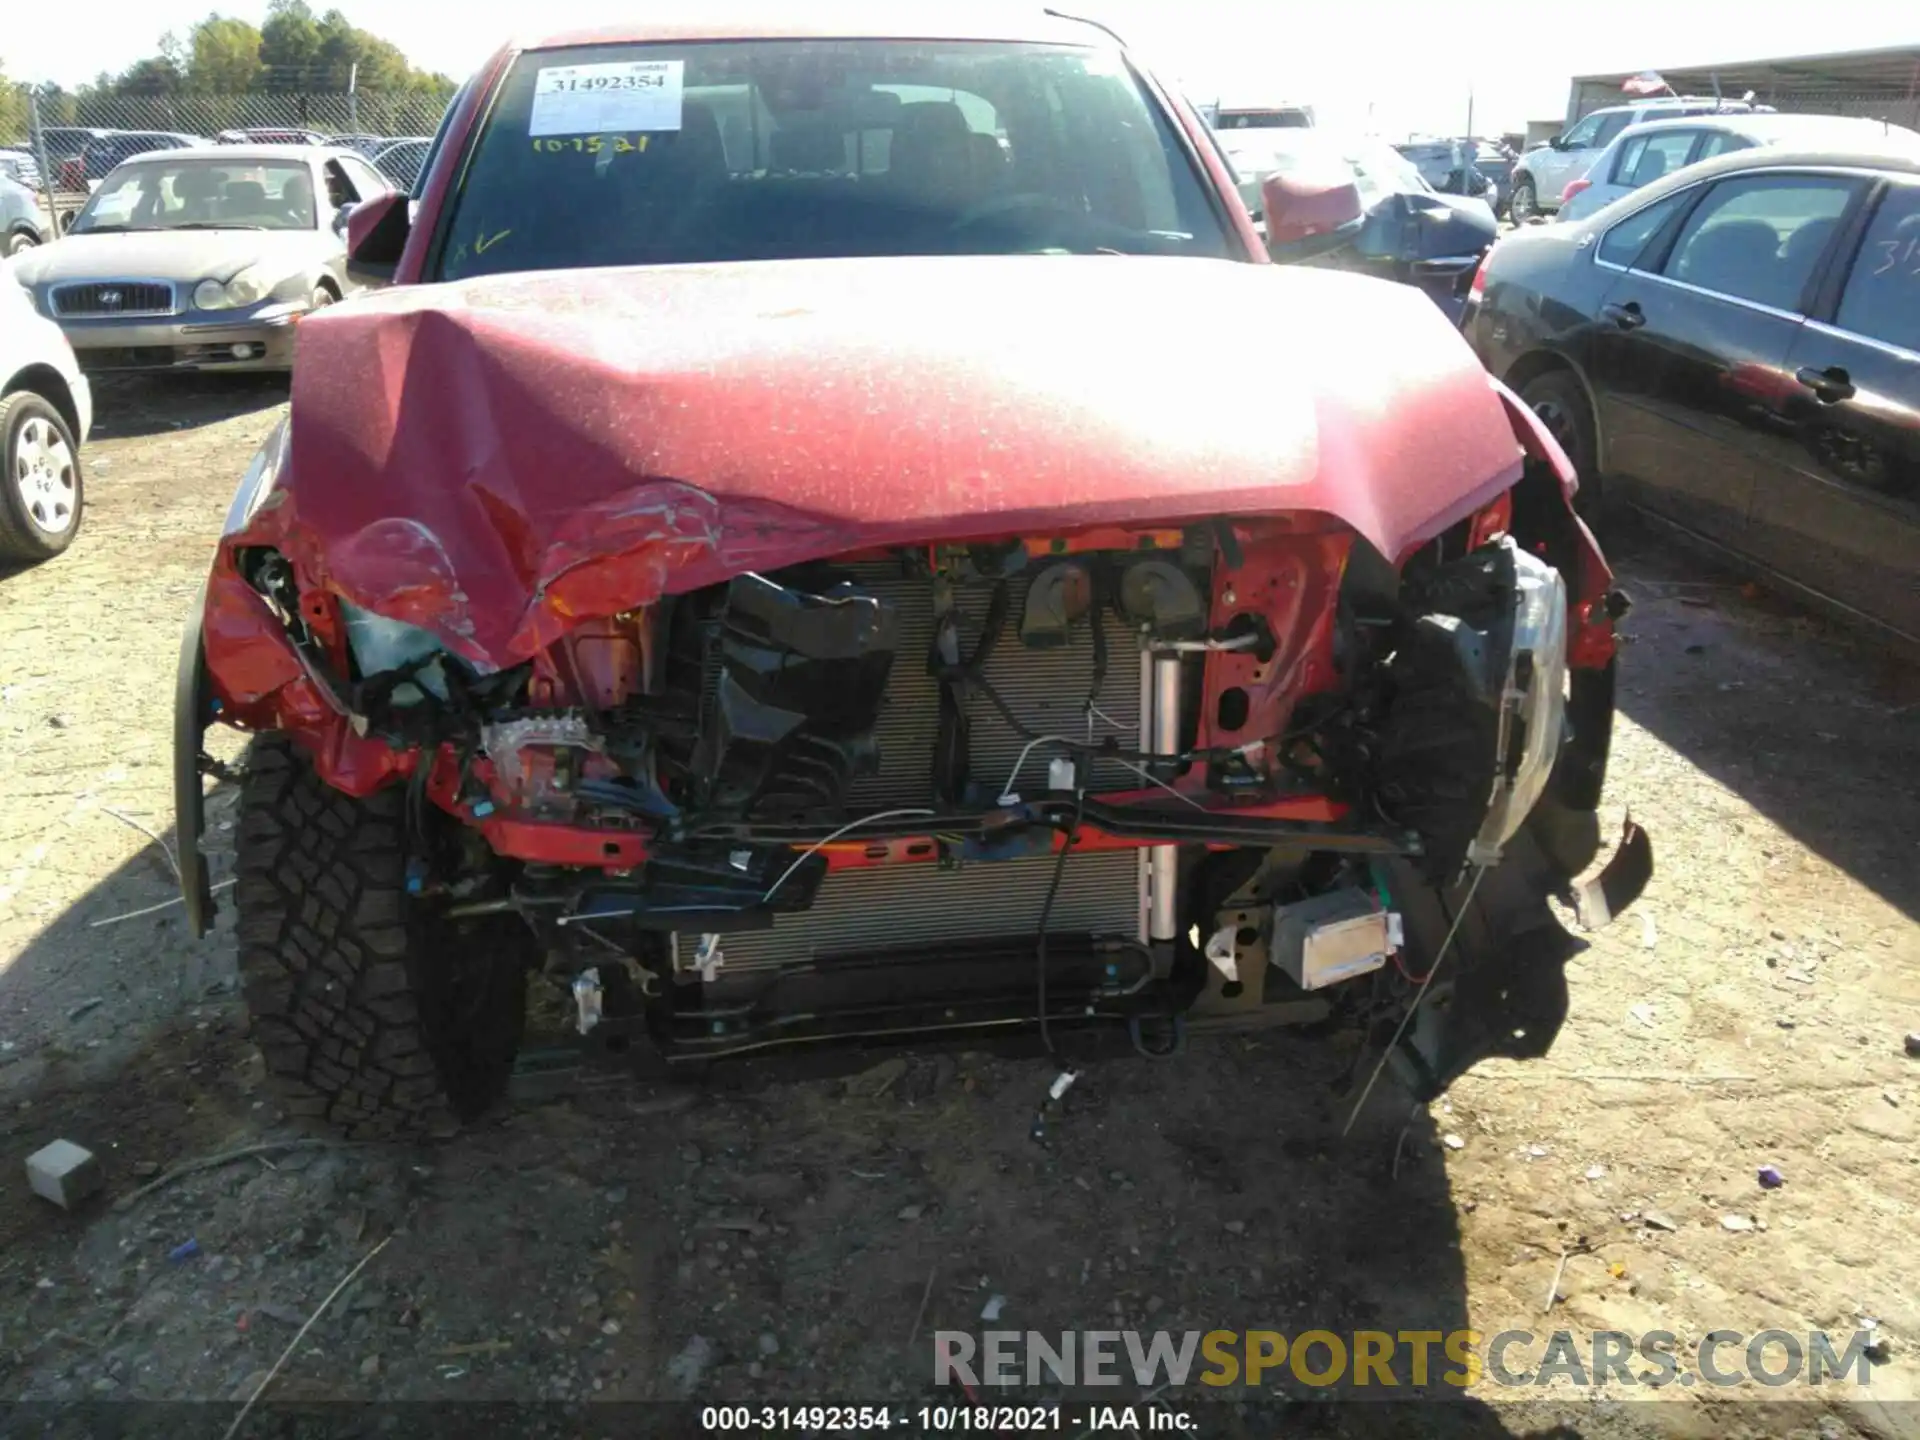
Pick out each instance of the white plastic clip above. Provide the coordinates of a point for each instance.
(588, 999)
(708, 957)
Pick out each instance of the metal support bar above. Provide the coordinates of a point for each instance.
(1163, 873)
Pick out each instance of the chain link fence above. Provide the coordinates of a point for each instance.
(74, 140)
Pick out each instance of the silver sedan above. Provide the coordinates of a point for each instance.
(202, 259)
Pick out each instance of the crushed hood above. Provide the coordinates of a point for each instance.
(498, 459)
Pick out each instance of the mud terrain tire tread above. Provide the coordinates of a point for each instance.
(339, 1012)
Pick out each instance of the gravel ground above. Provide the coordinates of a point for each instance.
(798, 1236)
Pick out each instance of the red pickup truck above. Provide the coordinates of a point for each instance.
(838, 531)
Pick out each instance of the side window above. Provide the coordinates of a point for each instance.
(340, 190)
(1882, 298)
(366, 180)
(1647, 158)
(1610, 126)
(1624, 162)
(1758, 238)
(1580, 137)
(1625, 241)
(1722, 142)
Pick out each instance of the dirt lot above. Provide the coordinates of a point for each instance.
(753, 1241)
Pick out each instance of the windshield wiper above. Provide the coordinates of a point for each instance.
(210, 225)
(99, 229)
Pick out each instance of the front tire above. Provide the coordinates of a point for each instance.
(42, 492)
(370, 1013)
(19, 243)
(1560, 402)
(1523, 205)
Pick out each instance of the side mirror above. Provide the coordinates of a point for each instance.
(341, 217)
(1300, 206)
(1558, 142)
(377, 233)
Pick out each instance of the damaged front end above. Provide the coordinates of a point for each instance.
(1227, 773)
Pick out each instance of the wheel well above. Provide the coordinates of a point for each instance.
(328, 284)
(48, 383)
(1531, 366)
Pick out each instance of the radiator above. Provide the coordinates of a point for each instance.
(915, 908)
(1047, 689)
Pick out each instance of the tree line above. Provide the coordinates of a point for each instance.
(293, 52)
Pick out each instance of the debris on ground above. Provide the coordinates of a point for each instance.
(1771, 1178)
(64, 1173)
(686, 1369)
(1736, 1223)
(1453, 1142)
(991, 1310)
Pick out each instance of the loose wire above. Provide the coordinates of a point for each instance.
(1426, 980)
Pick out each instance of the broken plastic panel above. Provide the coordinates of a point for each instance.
(379, 645)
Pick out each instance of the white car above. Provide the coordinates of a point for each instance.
(1543, 172)
(1646, 153)
(46, 410)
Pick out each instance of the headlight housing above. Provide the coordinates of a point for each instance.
(246, 288)
(1533, 703)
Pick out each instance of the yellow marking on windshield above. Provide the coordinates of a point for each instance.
(484, 243)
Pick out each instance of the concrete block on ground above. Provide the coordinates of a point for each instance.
(64, 1173)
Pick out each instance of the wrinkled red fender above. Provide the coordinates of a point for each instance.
(1591, 642)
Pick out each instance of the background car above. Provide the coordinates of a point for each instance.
(64, 143)
(1356, 203)
(401, 160)
(1543, 172)
(101, 155)
(1735, 350)
(23, 223)
(367, 145)
(1454, 167)
(204, 258)
(46, 409)
(1258, 117)
(20, 167)
(1646, 153)
(272, 135)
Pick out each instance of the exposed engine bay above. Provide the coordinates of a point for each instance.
(1155, 778)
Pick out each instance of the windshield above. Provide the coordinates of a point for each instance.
(201, 195)
(669, 154)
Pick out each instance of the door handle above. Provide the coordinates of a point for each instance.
(1830, 386)
(1624, 317)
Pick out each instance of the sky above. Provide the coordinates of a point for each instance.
(1387, 66)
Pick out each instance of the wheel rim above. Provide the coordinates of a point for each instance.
(1520, 203)
(1559, 422)
(45, 475)
(21, 244)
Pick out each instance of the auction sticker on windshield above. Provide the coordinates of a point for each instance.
(603, 99)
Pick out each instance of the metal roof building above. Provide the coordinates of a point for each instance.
(1880, 84)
